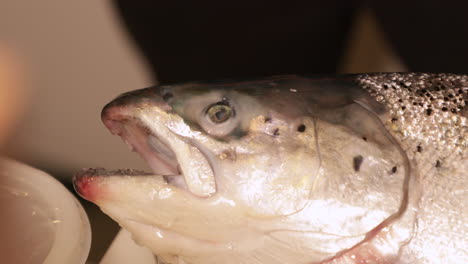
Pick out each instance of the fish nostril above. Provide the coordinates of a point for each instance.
(167, 96)
(276, 132)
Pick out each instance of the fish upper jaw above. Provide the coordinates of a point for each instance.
(148, 128)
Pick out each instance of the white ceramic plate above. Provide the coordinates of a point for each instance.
(41, 221)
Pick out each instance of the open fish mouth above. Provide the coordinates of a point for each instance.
(155, 151)
(177, 159)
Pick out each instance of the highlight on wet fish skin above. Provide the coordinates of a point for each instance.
(291, 169)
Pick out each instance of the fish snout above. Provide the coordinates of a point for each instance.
(124, 106)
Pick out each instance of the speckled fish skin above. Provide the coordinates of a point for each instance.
(366, 168)
(427, 115)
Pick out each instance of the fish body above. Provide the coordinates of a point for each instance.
(368, 168)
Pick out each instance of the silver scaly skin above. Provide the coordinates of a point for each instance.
(368, 168)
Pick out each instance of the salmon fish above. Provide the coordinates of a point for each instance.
(368, 168)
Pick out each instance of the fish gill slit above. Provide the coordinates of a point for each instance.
(319, 155)
(406, 164)
(406, 180)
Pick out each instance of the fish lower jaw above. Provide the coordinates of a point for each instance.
(171, 247)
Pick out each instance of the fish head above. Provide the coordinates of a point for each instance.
(274, 170)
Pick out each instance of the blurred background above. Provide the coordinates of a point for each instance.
(78, 55)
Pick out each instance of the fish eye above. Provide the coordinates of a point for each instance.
(220, 112)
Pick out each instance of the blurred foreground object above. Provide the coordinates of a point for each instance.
(12, 91)
(42, 222)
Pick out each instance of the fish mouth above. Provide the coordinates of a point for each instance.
(180, 161)
(155, 150)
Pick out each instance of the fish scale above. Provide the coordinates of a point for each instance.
(443, 137)
(415, 103)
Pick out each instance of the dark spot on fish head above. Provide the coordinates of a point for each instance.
(364, 138)
(276, 132)
(394, 169)
(419, 148)
(438, 164)
(357, 161)
(167, 96)
(301, 128)
(267, 119)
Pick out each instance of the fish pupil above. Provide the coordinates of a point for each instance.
(220, 113)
